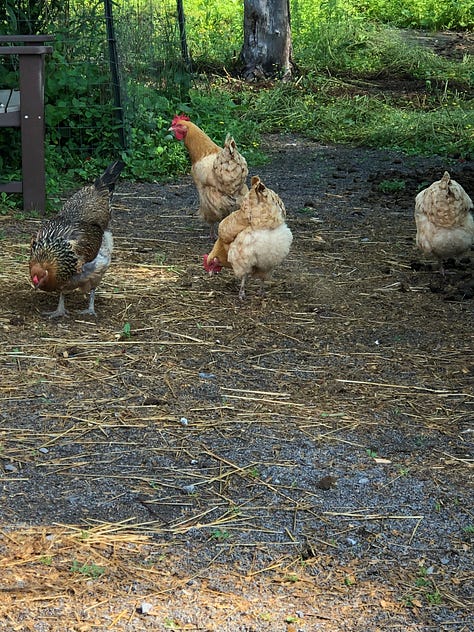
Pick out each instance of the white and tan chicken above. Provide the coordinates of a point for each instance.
(444, 223)
(254, 239)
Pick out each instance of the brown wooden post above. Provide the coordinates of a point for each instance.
(30, 119)
(32, 131)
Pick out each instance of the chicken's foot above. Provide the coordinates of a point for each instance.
(90, 310)
(60, 309)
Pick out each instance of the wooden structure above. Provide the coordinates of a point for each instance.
(24, 108)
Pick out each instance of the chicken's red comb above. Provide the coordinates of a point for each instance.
(212, 266)
(180, 117)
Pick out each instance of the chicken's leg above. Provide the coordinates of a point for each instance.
(242, 288)
(60, 309)
(90, 310)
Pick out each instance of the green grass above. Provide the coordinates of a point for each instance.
(343, 49)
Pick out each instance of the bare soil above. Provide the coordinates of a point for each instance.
(298, 461)
(295, 461)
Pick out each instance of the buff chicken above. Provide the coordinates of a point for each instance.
(219, 173)
(444, 223)
(73, 250)
(254, 239)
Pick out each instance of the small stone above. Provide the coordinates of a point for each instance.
(9, 467)
(145, 608)
(351, 541)
(189, 489)
(363, 481)
(183, 421)
(43, 450)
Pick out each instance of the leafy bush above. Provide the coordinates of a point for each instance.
(336, 50)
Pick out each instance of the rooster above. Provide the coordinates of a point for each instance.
(253, 240)
(74, 249)
(444, 223)
(219, 173)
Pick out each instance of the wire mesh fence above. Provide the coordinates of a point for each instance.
(112, 63)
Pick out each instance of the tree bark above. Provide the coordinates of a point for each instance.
(267, 50)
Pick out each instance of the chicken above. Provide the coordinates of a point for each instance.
(219, 174)
(253, 240)
(444, 223)
(74, 249)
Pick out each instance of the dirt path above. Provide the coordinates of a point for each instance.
(293, 462)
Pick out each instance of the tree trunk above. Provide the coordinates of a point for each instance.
(267, 39)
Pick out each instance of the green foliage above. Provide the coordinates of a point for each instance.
(28, 16)
(89, 570)
(221, 535)
(339, 46)
(391, 186)
(215, 31)
(427, 14)
(7, 203)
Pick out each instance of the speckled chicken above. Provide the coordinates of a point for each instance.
(74, 249)
(444, 223)
(253, 240)
(219, 173)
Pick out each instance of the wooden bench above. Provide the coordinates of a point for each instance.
(24, 108)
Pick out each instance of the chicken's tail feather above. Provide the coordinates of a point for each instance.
(108, 179)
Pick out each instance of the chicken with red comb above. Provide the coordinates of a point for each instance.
(219, 173)
(253, 240)
(74, 249)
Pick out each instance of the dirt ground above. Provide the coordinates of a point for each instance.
(297, 461)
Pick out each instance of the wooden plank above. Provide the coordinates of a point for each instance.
(25, 50)
(11, 187)
(10, 119)
(27, 39)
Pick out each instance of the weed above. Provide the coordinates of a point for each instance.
(469, 529)
(391, 186)
(126, 332)
(253, 473)
(220, 535)
(407, 601)
(89, 570)
(371, 453)
(7, 203)
(434, 598)
(421, 581)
